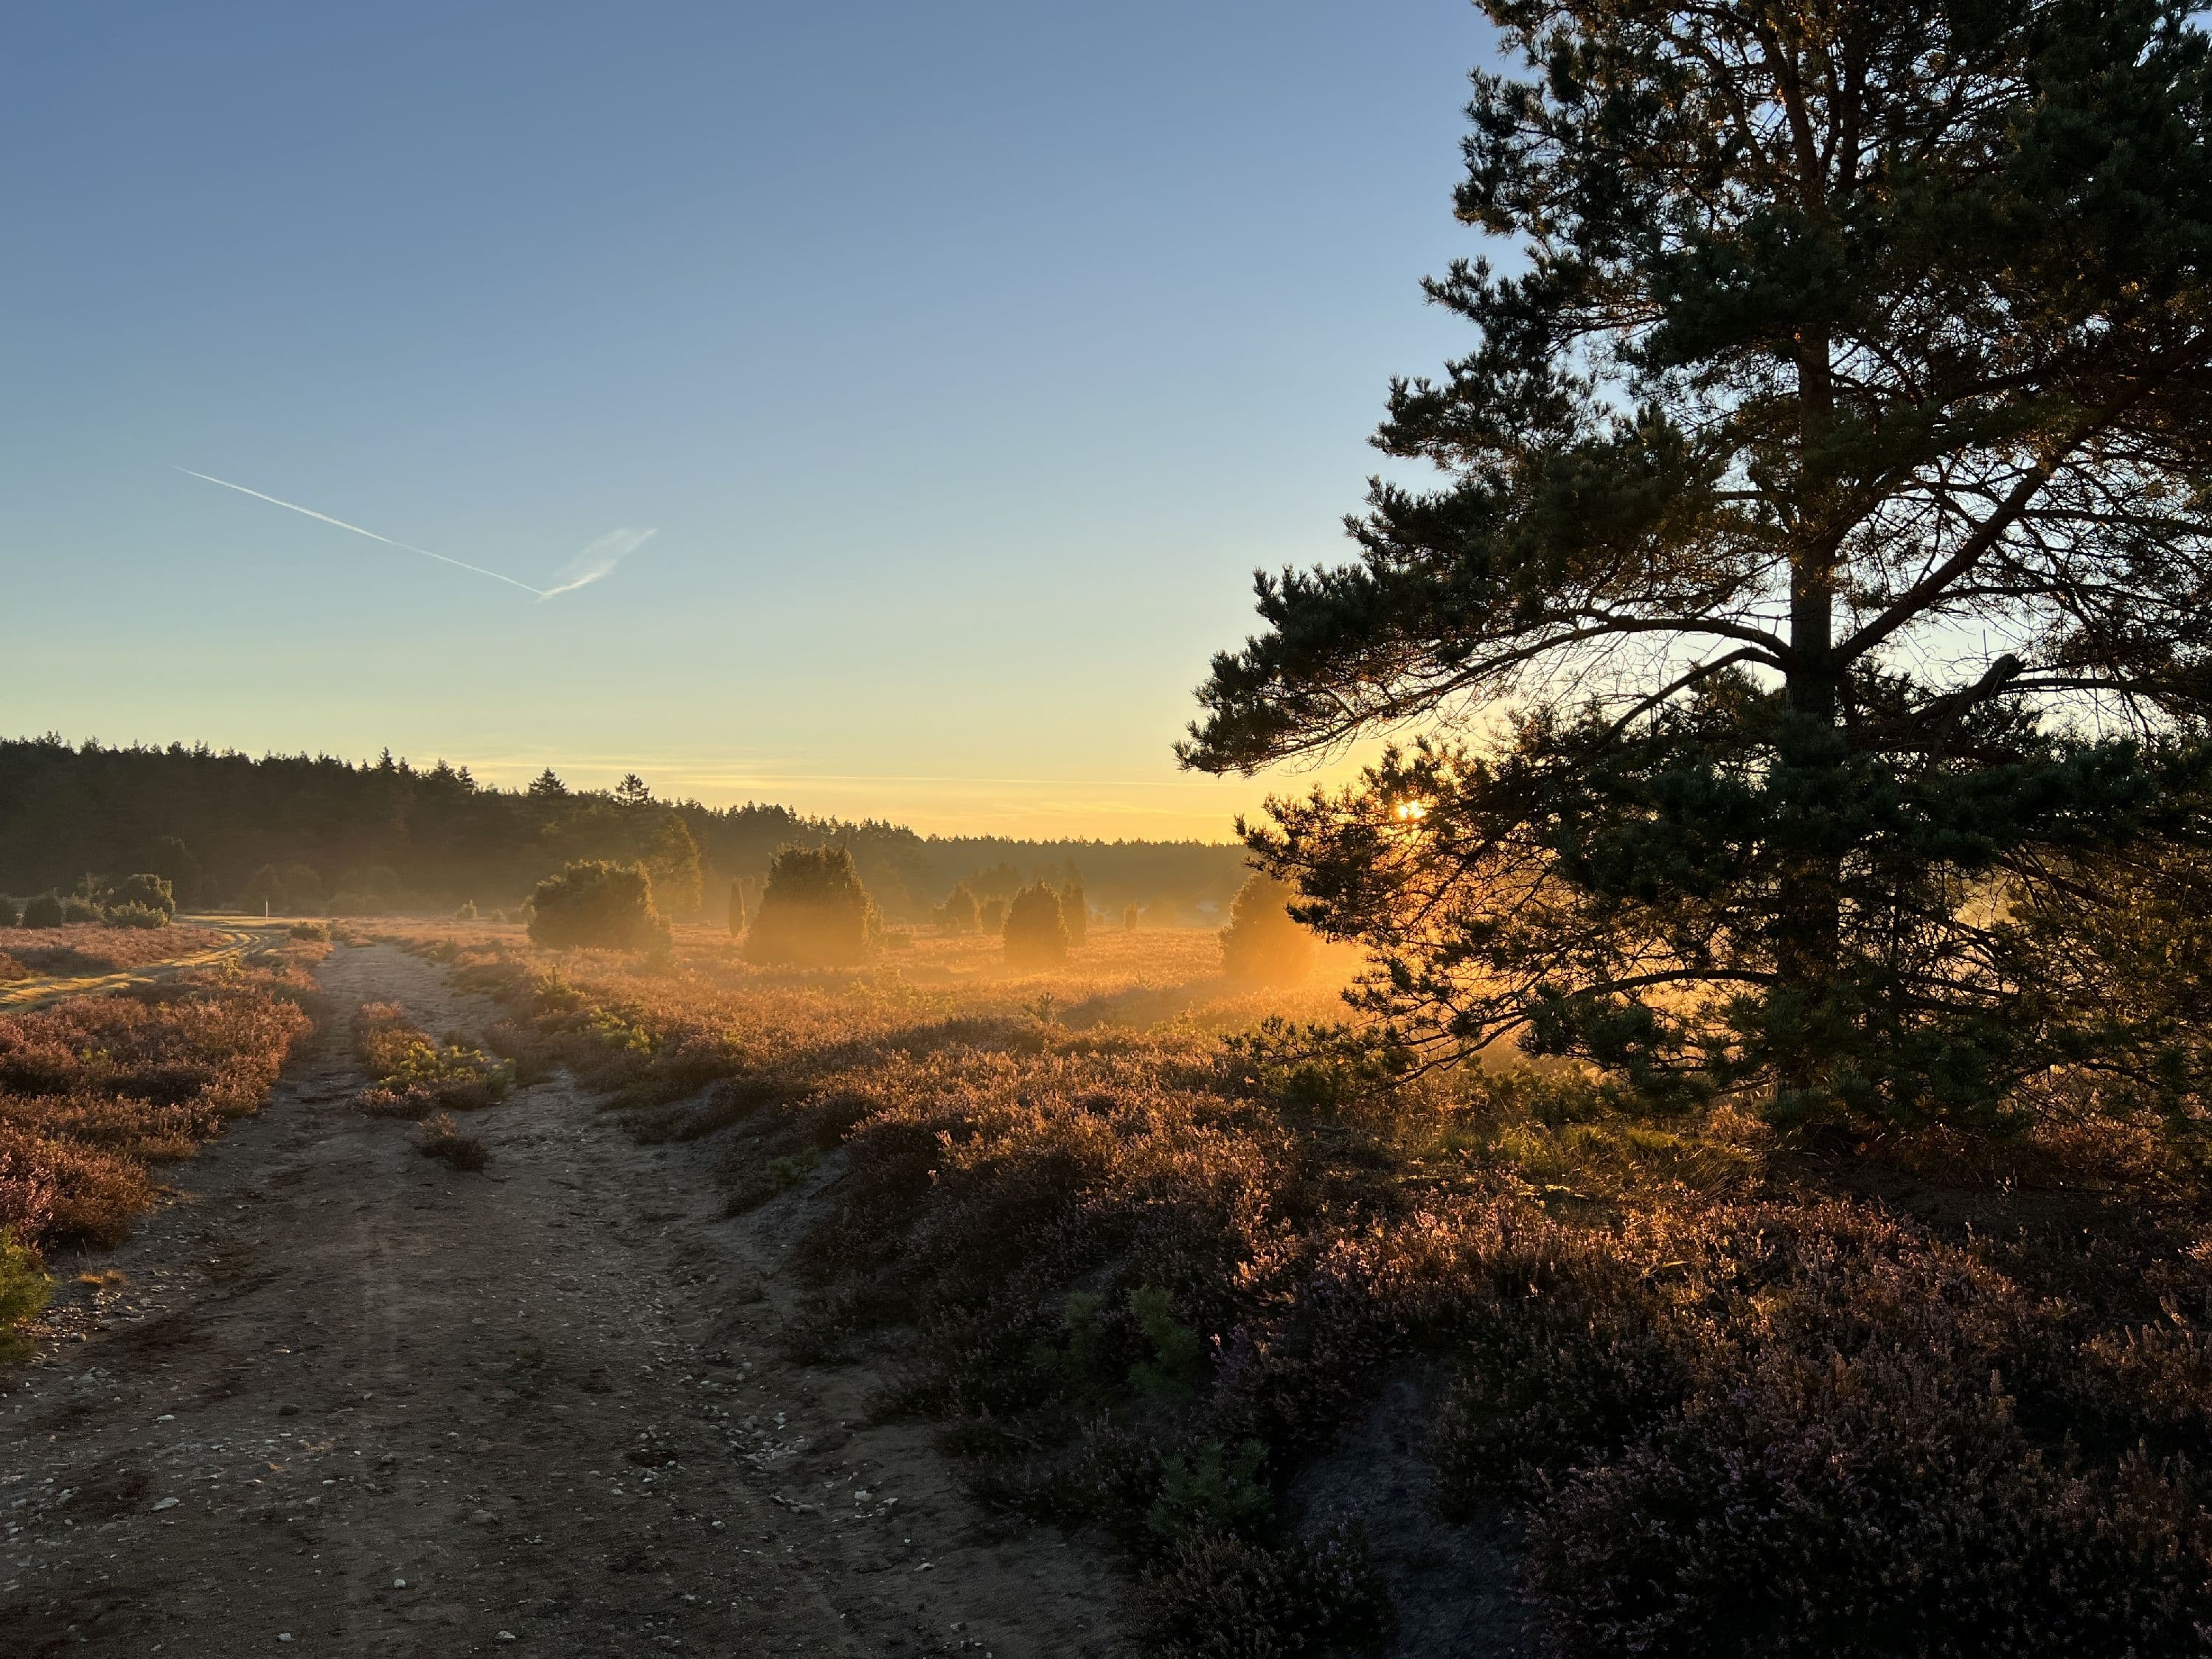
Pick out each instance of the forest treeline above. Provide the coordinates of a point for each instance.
(311, 833)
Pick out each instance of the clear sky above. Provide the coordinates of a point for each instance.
(963, 358)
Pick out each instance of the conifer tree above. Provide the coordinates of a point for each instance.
(1819, 568)
(737, 906)
(1075, 911)
(597, 904)
(958, 914)
(1261, 943)
(1037, 930)
(814, 913)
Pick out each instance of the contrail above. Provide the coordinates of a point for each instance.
(598, 560)
(406, 546)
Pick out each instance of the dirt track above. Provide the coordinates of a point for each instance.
(352, 1401)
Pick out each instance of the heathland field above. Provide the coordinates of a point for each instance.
(1120, 1307)
(1318, 1348)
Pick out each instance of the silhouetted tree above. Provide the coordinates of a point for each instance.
(1075, 910)
(1036, 930)
(632, 791)
(673, 863)
(547, 785)
(1261, 943)
(1839, 340)
(1129, 918)
(42, 911)
(815, 912)
(958, 914)
(737, 908)
(991, 915)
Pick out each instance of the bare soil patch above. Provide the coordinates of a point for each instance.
(350, 1395)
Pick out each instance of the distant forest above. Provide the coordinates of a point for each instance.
(316, 834)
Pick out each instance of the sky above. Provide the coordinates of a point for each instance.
(964, 360)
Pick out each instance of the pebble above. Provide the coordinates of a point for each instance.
(166, 1503)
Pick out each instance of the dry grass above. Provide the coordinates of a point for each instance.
(1747, 1396)
(89, 948)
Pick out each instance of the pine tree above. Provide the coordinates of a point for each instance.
(672, 858)
(1075, 911)
(1839, 341)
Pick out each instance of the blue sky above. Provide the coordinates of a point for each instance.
(965, 359)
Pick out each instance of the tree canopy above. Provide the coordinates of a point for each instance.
(1817, 579)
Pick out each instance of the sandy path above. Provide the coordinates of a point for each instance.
(353, 1399)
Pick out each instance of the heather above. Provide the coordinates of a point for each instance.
(100, 948)
(414, 1075)
(1157, 1238)
(98, 1091)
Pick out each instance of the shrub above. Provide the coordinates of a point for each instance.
(1261, 943)
(467, 912)
(815, 914)
(991, 915)
(413, 1074)
(1036, 932)
(150, 892)
(1223, 1598)
(1075, 912)
(78, 910)
(737, 908)
(958, 914)
(24, 1288)
(135, 915)
(45, 910)
(443, 1141)
(10, 915)
(309, 930)
(596, 904)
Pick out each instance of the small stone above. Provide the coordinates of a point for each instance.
(479, 1517)
(399, 1584)
(287, 1411)
(167, 1504)
(506, 1636)
(283, 1635)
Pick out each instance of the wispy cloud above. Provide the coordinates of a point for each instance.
(597, 561)
(587, 567)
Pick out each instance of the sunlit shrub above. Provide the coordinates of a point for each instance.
(815, 912)
(414, 1075)
(24, 1288)
(135, 915)
(1035, 931)
(147, 892)
(596, 904)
